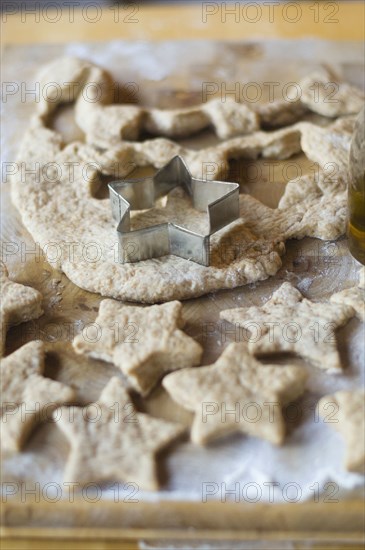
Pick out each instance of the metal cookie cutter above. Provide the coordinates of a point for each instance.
(218, 198)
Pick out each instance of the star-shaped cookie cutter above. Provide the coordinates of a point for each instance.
(219, 198)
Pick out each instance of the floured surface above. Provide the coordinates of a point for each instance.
(318, 269)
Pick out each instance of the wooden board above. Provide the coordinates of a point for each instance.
(189, 20)
(322, 268)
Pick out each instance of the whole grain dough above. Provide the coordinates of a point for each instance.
(18, 304)
(27, 397)
(345, 412)
(235, 382)
(58, 204)
(290, 323)
(120, 446)
(353, 296)
(91, 88)
(144, 342)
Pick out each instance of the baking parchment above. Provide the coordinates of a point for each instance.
(236, 467)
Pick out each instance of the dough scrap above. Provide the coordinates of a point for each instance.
(288, 322)
(236, 382)
(19, 304)
(27, 398)
(120, 445)
(105, 124)
(59, 205)
(280, 113)
(345, 412)
(323, 93)
(354, 296)
(144, 343)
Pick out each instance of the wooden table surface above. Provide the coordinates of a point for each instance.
(327, 20)
(209, 20)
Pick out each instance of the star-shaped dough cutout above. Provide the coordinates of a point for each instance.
(19, 303)
(144, 342)
(354, 296)
(290, 323)
(237, 393)
(345, 412)
(119, 444)
(27, 397)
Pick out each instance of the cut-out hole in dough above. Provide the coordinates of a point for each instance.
(63, 122)
(101, 191)
(266, 179)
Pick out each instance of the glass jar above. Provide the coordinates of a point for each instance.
(356, 197)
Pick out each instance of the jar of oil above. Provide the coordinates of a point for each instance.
(356, 220)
